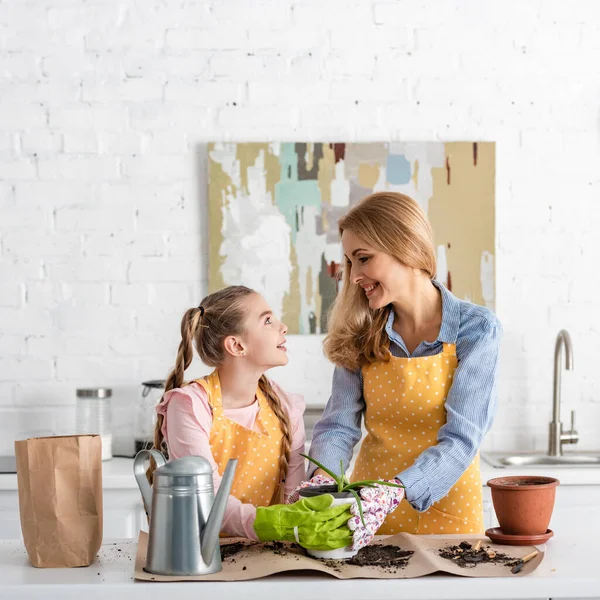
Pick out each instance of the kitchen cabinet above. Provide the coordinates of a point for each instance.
(124, 515)
(577, 500)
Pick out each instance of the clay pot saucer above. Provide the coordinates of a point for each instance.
(496, 535)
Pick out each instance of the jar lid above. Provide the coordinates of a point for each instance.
(94, 393)
(155, 383)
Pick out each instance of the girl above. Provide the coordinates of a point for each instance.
(417, 363)
(236, 412)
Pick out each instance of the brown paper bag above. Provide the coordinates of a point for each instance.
(60, 499)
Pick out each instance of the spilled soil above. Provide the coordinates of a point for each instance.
(465, 555)
(386, 557)
(230, 550)
(380, 556)
(283, 549)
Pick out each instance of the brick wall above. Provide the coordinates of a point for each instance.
(105, 110)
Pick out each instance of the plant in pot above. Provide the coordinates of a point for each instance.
(524, 504)
(343, 492)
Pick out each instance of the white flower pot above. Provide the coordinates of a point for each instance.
(338, 498)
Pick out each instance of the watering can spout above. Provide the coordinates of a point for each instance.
(210, 533)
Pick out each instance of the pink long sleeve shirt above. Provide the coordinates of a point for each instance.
(186, 429)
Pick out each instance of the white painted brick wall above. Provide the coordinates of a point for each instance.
(105, 110)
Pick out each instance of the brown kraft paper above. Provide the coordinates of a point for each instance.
(258, 560)
(60, 499)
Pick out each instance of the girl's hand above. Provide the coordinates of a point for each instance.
(315, 481)
(377, 503)
(312, 522)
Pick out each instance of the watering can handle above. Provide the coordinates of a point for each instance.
(139, 470)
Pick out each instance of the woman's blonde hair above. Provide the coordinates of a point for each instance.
(392, 223)
(220, 315)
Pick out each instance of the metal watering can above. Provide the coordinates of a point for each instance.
(185, 516)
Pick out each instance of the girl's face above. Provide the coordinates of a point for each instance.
(264, 335)
(381, 277)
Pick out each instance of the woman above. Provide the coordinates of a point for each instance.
(420, 366)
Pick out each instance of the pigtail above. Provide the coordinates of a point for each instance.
(286, 442)
(185, 354)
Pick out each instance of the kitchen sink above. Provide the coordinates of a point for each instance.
(503, 460)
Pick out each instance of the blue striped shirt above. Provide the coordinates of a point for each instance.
(470, 404)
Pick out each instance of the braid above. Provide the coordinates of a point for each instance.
(185, 354)
(286, 441)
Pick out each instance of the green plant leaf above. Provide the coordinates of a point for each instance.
(352, 486)
(359, 504)
(390, 484)
(366, 483)
(335, 477)
(342, 476)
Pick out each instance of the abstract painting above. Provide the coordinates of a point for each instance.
(274, 209)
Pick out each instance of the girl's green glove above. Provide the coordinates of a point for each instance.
(312, 522)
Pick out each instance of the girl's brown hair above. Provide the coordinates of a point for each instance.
(221, 314)
(392, 223)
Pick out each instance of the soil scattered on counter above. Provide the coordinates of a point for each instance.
(387, 557)
(381, 556)
(284, 549)
(464, 555)
(230, 550)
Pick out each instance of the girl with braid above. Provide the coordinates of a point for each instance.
(237, 412)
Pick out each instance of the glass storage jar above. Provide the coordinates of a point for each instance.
(94, 416)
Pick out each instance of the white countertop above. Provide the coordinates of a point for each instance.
(118, 474)
(568, 570)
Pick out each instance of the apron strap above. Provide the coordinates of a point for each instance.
(449, 349)
(212, 387)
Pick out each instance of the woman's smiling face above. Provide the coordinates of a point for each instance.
(379, 274)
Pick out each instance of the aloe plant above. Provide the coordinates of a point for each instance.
(344, 485)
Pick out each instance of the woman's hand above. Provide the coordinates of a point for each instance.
(377, 503)
(315, 481)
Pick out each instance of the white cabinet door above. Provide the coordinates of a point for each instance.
(575, 506)
(123, 514)
(10, 525)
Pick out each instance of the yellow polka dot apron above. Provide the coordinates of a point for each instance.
(257, 473)
(405, 400)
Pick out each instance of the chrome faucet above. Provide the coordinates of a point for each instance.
(556, 436)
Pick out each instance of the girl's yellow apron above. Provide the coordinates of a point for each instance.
(405, 400)
(257, 473)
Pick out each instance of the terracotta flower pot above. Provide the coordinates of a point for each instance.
(523, 504)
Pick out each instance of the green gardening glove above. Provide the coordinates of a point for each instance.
(317, 524)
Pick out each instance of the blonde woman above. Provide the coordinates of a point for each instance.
(236, 412)
(418, 364)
